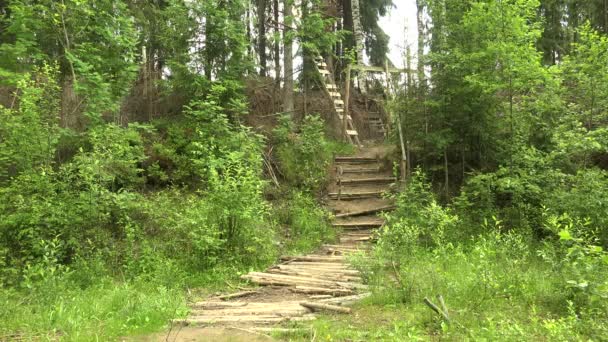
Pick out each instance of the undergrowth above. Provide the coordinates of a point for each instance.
(104, 241)
(498, 283)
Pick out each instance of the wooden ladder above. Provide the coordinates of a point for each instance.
(338, 103)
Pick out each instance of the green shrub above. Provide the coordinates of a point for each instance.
(307, 224)
(417, 220)
(304, 157)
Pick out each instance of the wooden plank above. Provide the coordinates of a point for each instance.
(321, 290)
(312, 258)
(378, 69)
(373, 180)
(352, 133)
(355, 160)
(366, 211)
(328, 275)
(362, 170)
(357, 195)
(346, 100)
(358, 225)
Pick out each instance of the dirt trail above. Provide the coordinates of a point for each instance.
(299, 286)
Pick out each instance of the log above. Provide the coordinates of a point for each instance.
(436, 309)
(321, 291)
(268, 281)
(313, 259)
(319, 270)
(321, 297)
(289, 278)
(325, 275)
(369, 180)
(325, 307)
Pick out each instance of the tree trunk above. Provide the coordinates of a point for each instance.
(249, 34)
(277, 45)
(420, 22)
(288, 104)
(358, 31)
(262, 37)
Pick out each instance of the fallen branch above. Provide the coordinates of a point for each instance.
(443, 306)
(436, 309)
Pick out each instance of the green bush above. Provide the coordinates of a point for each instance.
(304, 157)
(417, 221)
(307, 224)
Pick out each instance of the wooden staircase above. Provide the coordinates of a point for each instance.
(375, 123)
(338, 102)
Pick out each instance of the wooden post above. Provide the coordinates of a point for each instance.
(346, 112)
(388, 97)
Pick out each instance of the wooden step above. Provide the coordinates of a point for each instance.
(351, 132)
(355, 160)
(373, 180)
(331, 86)
(342, 116)
(358, 225)
(324, 72)
(346, 196)
(340, 110)
(366, 211)
(335, 95)
(322, 64)
(362, 170)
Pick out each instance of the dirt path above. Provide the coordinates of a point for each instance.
(298, 287)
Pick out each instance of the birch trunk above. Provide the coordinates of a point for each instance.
(358, 28)
(288, 104)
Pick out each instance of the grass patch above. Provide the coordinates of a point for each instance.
(104, 311)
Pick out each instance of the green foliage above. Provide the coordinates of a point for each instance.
(81, 37)
(106, 310)
(418, 220)
(304, 157)
(30, 131)
(307, 225)
(581, 261)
